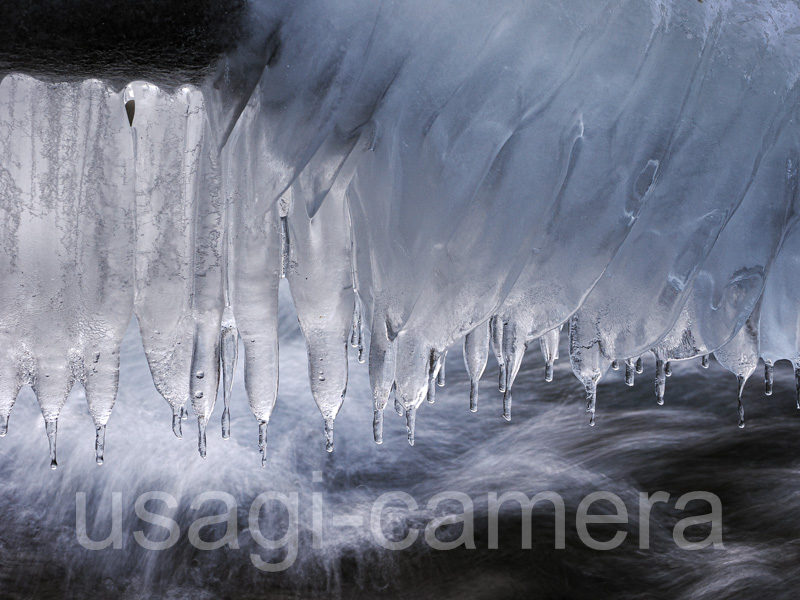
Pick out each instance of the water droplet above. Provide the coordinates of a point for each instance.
(3, 425)
(200, 374)
(398, 408)
(639, 365)
(198, 394)
(668, 369)
(615, 365)
(704, 361)
(548, 371)
(96, 357)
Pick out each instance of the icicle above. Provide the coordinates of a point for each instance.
(262, 441)
(639, 365)
(254, 260)
(440, 376)
(377, 425)
(496, 329)
(360, 339)
(176, 179)
(433, 370)
(411, 419)
(382, 363)
(416, 375)
(357, 334)
(615, 365)
(473, 396)
(185, 413)
(431, 397)
(741, 380)
(740, 355)
(99, 443)
(549, 345)
(321, 282)
(591, 400)
(177, 413)
(630, 371)
(476, 353)
(3, 425)
(668, 369)
(514, 346)
(768, 375)
(201, 436)
(589, 363)
(704, 361)
(230, 355)
(51, 427)
(99, 372)
(329, 435)
(661, 381)
(502, 378)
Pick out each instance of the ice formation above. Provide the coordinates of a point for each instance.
(626, 168)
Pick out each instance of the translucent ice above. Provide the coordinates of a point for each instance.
(628, 168)
(67, 231)
(179, 218)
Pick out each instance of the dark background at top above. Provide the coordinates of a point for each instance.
(168, 42)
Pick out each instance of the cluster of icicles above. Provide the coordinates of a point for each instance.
(624, 169)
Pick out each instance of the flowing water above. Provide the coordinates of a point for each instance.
(691, 443)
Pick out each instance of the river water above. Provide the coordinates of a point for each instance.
(690, 444)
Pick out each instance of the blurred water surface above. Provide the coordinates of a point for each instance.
(691, 443)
